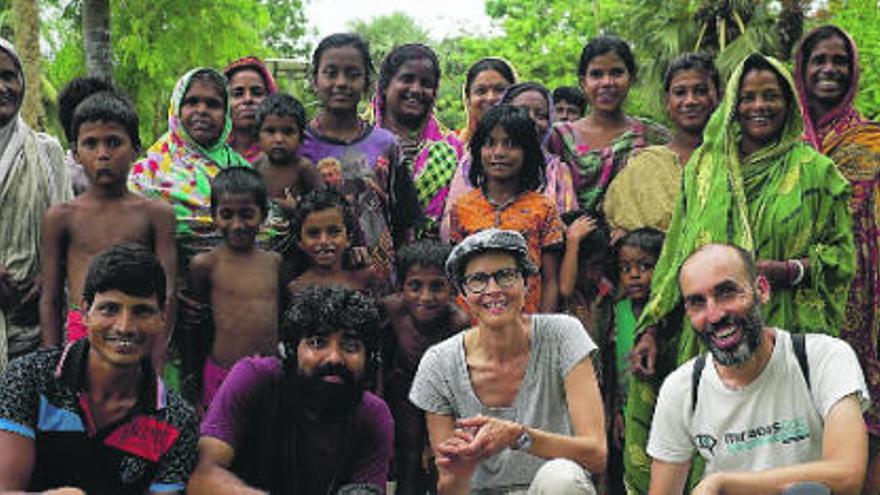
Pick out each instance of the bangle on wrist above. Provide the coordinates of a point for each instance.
(796, 272)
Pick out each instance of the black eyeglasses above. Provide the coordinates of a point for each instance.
(477, 282)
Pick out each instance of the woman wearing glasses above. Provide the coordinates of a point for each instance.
(512, 404)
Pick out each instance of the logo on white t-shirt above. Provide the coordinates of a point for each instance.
(785, 431)
(706, 442)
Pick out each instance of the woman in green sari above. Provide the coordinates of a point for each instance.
(756, 184)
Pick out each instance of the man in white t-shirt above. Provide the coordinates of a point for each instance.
(765, 409)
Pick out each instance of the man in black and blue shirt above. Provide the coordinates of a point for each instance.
(95, 415)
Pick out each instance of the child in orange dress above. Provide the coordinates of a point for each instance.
(507, 172)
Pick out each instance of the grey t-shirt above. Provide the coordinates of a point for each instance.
(442, 385)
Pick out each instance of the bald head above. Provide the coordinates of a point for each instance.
(721, 254)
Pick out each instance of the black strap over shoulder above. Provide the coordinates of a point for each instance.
(798, 343)
(699, 364)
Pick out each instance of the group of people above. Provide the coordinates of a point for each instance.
(534, 303)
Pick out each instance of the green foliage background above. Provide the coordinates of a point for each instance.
(543, 40)
(156, 41)
(861, 19)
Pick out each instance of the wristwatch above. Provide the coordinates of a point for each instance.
(523, 441)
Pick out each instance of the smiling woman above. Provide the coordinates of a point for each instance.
(762, 106)
(250, 82)
(404, 104)
(180, 165)
(644, 193)
(827, 76)
(512, 403)
(756, 184)
(597, 146)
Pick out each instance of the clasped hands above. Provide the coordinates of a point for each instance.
(473, 440)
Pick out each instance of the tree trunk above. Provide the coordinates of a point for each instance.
(26, 16)
(790, 26)
(96, 38)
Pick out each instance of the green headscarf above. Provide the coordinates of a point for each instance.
(785, 201)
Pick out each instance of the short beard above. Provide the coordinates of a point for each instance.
(751, 325)
(330, 399)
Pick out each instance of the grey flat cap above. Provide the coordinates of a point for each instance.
(489, 240)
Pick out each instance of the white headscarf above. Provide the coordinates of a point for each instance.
(11, 134)
(32, 178)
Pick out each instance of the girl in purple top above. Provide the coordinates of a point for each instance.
(374, 181)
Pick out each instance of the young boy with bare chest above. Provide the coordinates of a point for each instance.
(105, 141)
(280, 122)
(323, 226)
(422, 314)
(238, 282)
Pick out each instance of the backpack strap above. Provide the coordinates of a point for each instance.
(699, 364)
(799, 344)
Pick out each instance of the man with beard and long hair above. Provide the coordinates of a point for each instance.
(763, 420)
(302, 423)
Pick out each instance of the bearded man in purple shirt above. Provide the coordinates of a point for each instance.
(302, 423)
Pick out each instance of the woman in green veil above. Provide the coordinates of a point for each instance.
(756, 184)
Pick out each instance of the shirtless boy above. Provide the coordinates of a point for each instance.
(237, 282)
(105, 141)
(422, 314)
(323, 225)
(280, 121)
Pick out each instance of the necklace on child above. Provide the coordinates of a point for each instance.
(499, 205)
